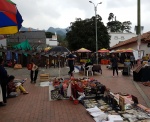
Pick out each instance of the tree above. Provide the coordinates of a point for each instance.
(110, 17)
(81, 33)
(49, 34)
(126, 26)
(114, 26)
(117, 26)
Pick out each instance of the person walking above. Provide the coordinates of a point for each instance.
(71, 59)
(3, 81)
(36, 63)
(114, 63)
(132, 60)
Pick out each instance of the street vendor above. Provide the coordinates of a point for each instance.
(35, 69)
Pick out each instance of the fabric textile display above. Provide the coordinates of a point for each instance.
(9, 55)
(69, 90)
(75, 89)
(16, 57)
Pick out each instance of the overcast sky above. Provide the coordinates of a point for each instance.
(43, 14)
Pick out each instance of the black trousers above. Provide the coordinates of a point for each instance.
(132, 64)
(71, 69)
(4, 90)
(33, 75)
(115, 68)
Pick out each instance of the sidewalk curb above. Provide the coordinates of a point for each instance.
(146, 99)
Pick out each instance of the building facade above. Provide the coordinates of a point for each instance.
(119, 37)
(34, 37)
(52, 41)
(132, 43)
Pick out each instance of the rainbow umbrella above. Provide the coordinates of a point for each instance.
(10, 18)
(103, 50)
(83, 50)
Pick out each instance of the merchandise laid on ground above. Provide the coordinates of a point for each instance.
(99, 101)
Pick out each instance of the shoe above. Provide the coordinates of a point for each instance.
(31, 81)
(34, 82)
(25, 92)
(2, 104)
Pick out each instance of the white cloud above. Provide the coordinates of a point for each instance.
(59, 13)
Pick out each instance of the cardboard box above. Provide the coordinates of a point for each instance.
(44, 77)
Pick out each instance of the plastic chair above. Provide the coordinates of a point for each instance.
(90, 70)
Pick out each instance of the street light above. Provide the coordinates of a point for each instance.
(95, 8)
(139, 27)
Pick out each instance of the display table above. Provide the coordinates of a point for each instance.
(83, 61)
(143, 75)
(105, 61)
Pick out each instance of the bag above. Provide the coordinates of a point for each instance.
(69, 90)
(13, 94)
(18, 66)
(29, 66)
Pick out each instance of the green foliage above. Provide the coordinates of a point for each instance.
(117, 26)
(49, 34)
(81, 33)
(111, 17)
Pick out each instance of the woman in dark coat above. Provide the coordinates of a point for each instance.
(3, 80)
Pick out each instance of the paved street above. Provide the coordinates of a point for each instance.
(36, 107)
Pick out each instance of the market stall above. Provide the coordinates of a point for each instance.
(83, 55)
(99, 101)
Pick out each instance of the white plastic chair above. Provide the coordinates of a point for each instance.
(89, 70)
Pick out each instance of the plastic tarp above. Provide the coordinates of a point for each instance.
(23, 45)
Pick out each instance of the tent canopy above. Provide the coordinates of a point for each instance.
(23, 45)
(82, 50)
(103, 50)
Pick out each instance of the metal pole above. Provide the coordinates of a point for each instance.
(95, 8)
(139, 27)
(96, 34)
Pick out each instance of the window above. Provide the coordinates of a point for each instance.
(116, 37)
(122, 37)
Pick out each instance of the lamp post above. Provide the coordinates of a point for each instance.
(139, 27)
(95, 8)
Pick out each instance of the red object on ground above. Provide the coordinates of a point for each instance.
(76, 102)
(70, 98)
(9, 64)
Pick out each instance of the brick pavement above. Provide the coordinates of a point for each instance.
(35, 106)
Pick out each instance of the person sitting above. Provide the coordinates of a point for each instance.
(15, 87)
(88, 63)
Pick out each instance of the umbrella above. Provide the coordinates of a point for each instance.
(47, 49)
(112, 51)
(103, 50)
(10, 18)
(83, 50)
(129, 50)
(59, 49)
(118, 51)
